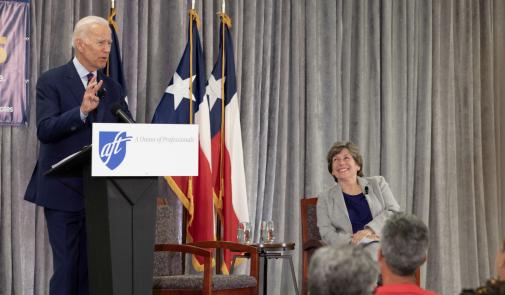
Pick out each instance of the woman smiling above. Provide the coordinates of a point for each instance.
(353, 210)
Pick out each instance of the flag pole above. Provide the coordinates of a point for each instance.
(190, 179)
(221, 154)
(220, 217)
(192, 16)
(225, 22)
(112, 22)
(190, 69)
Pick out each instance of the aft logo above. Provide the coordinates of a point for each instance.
(112, 147)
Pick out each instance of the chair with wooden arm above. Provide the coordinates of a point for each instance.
(311, 240)
(208, 283)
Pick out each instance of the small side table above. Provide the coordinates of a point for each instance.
(272, 251)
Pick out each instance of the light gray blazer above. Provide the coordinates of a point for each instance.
(332, 216)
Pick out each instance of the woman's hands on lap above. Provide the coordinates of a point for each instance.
(359, 235)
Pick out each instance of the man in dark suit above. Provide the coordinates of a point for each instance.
(68, 103)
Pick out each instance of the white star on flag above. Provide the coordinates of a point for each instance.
(179, 89)
(213, 90)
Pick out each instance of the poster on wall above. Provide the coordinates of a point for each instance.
(14, 61)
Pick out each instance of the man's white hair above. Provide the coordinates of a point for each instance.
(82, 26)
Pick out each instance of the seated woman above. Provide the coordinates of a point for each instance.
(355, 208)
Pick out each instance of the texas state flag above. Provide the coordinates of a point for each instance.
(176, 107)
(227, 156)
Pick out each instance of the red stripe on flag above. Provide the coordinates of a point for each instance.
(230, 220)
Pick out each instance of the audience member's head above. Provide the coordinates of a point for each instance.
(493, 286)
(404, 243)
(344, 270)
(500, 262)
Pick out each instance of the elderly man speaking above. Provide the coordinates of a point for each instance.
(68, 102)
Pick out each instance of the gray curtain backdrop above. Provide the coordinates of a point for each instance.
(418, 85)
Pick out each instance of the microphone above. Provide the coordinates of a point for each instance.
(366, 189)
(120, 114)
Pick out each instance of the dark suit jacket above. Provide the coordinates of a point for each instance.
(61, 132)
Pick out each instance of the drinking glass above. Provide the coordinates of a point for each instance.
(244, 232)
(267, 231)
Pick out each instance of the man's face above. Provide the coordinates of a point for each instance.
(94, 47)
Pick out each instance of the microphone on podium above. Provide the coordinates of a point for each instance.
(120, 114)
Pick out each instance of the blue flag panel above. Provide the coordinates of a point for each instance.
(230, 83)
(114, 67)
(174, 105)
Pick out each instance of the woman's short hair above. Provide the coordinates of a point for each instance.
(82, 26)
(337, 147)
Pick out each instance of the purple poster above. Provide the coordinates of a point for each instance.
(14, 61)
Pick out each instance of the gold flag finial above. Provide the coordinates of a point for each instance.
(194, 16)
(112, 19)
(225, 18)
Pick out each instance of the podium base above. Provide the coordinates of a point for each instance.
(120, 222)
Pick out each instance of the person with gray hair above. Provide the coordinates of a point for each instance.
(346, 270)
(69, 99)
(403, 249)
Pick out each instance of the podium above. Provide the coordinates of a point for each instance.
(120, 225)
(120, 222)
(120, 205)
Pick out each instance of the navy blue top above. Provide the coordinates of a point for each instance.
(359, 211)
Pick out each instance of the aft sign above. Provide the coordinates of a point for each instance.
(144, 150)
